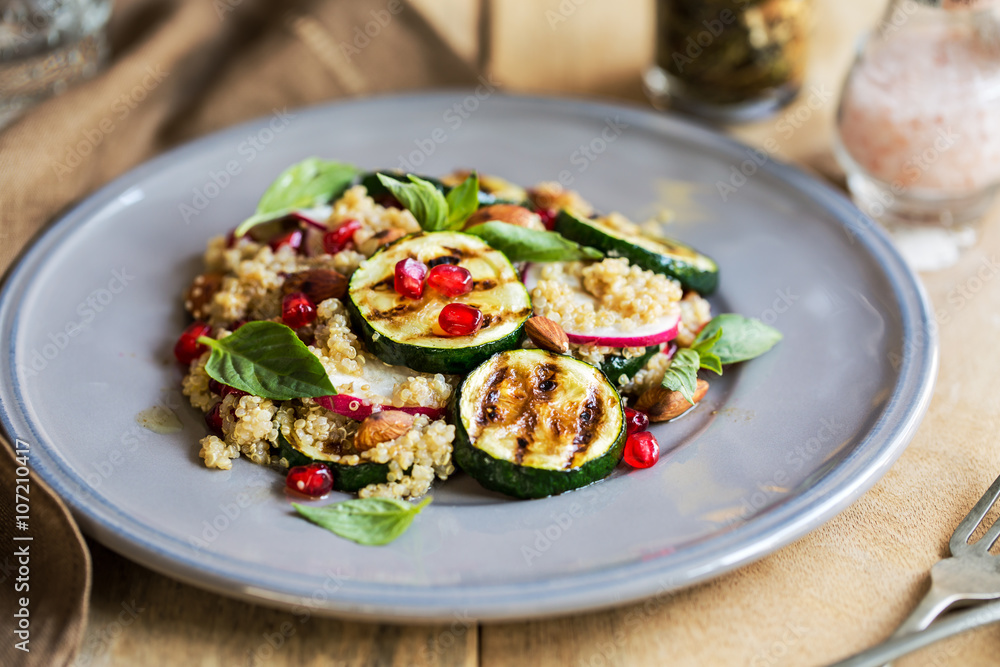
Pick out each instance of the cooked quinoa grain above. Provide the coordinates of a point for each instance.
(251, 284)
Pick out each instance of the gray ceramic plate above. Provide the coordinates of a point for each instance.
(780, 445)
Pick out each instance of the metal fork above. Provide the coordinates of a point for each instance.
(969, 576)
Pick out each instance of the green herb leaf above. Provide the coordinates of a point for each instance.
(267, 359)
(420, 198)
(369, 521)
(530, 245)
(463, 201)
(704, 345)
(682, 375)
(312, 182)
(742, 338)
(710, 361)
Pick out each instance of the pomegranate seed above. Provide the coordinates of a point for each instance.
(215, 387)
(642, 450)
(292, 239)
(409, 278)
(313, 480)
(458, 319)
(635, 421)
(450, 280)
(548, 216)
(214, 419)
(338, 239)
(231, 238)
(188, 348)
(297, 310)
(388, 201)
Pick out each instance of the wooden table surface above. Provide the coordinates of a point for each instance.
(140, 617)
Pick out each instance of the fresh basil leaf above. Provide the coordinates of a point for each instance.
(742, 338)
(312, 182)
(463, 201)
(368, 521)
(521, 244)
(682, 375)
(420, 198)
(710, 361)
(704, 345)
(267, 359)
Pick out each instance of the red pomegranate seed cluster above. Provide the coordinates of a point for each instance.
(292, 239)
(548, 216)
(450, 280)
(635, 421)
(297, 310)
(313, 480)
(214, 419)
(642, 450)
(340, 238)
(187, 348)
(458, 319)
(409, 278)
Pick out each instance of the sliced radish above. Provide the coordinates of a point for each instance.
(358, 408)
(662, 330)
(361, 396)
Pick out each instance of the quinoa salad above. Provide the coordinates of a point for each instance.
(372, 332)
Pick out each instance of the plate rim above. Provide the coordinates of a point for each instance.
(576, 593)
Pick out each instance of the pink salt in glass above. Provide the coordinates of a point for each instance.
(919, 119)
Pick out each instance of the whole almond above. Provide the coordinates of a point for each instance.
(317, 284)
(382, 427)
(198, 298)
(546, 334)
(509, 213)
(661, 404)
(380, 239)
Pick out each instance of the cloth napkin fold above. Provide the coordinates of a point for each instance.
(180, 69)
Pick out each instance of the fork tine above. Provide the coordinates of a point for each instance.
(990, 537)
(960, 539)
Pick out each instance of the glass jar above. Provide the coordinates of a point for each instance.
(918, 127)
(728, 60)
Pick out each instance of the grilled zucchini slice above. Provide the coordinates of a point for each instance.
(345, 477)
(616, 366)
(693, 270)
(530, 423)
(404, 331)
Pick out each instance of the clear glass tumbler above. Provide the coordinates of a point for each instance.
(46, 45)
(918, 127)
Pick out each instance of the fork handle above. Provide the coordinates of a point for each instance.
(952, 624)
(930, 607)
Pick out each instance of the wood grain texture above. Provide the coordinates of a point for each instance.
(138, 617)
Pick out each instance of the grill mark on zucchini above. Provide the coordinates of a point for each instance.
(589, 418)
(488, 409)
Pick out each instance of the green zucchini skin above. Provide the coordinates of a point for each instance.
(502, 297)
(350, 478)
(450, 361)
(616, 366)
(692, 269)
(526, 482)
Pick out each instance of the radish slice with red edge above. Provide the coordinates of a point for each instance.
(358, 408)
(662, 330)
